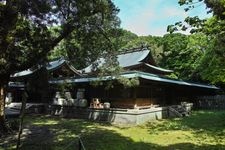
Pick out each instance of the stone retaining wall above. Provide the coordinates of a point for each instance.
(115, 116)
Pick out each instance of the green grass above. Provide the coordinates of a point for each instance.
(204, 130)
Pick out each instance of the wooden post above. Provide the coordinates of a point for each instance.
(135, 96)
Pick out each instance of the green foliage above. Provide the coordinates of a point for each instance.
(196, 48)
(210, 66)
(172, 75)
(28, 31)
(98, 35)
(128, 83)
(83, 50)
(125, 38)
(26, 28)
(181, 53)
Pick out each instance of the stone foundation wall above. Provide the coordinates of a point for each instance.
(114, 116)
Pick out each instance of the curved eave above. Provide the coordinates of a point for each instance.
(23, 73)
(150, 68)
(52, 66)
(158, 68)
(60, 64)
(173, 81)
(16, 84)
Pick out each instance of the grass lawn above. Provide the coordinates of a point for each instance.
(202, 130)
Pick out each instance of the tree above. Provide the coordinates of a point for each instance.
(91, 44)
(198, 45)
(183, 53)
(212, 63)
(174, 53)
(125, 38)
(26, 36)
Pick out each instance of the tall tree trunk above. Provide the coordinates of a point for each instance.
(22, 113)
(2, 109)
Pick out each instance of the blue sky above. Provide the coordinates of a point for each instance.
(151, 17)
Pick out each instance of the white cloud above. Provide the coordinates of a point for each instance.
(158, 32)
(148, 21)
(139, 23)
(150, 17)
(174, 12)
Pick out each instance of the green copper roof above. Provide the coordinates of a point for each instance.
(128, 59)
(53, 65)
(125, 59)
(136, 74)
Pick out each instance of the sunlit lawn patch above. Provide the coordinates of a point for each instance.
(202, 130)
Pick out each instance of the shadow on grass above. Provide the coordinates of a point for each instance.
(109, 140)
(62, 134)
(210, 121)
(95, 138)
(200, 123)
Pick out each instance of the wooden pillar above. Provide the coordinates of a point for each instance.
(135, 96)
(164, 95)
(151, 97)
